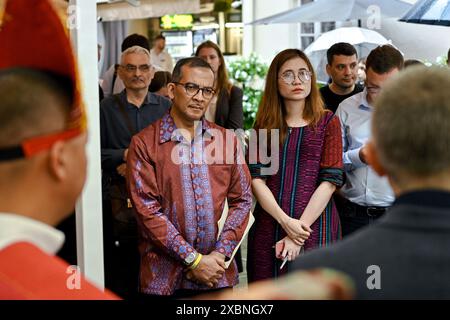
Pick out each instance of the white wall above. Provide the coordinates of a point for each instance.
(268, 40)
(139, 26)
(416, 41)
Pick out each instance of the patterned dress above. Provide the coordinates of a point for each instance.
(308, 157)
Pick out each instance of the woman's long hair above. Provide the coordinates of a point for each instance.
(272, 111)
(222, 80)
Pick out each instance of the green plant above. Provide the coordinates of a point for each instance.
(249, 73)
(222, 5)
(440, 61)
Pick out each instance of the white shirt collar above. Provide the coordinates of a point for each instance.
(16, 228)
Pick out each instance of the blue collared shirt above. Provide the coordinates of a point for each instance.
(363, 185)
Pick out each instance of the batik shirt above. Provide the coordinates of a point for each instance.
(179, 196)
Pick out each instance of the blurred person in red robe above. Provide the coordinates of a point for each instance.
(42, 153)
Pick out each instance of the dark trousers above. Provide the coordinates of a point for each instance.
(238, 259)
(68, 252)
(354, 217)
(351, 224)
(121, 258)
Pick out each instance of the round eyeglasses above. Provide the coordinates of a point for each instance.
(192, 89)
(289, 76)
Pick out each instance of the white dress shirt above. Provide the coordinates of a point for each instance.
(162, 61)
(16, 228)
(363, 185)
(107, 83)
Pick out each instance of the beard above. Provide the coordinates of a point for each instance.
(344, 85)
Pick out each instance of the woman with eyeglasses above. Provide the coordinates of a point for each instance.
(295, 210)
(225, 108)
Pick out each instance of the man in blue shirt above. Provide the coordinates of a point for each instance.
(365, 195)
(405, 254)
(122, 116)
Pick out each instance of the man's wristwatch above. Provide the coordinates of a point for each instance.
(190, 258)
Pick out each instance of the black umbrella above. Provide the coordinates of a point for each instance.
(435, 12)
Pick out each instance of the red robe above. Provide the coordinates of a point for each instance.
(26, 272)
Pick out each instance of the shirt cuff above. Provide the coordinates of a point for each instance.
(226, 247)
(256, 170)
(354, 159)
(182, 249)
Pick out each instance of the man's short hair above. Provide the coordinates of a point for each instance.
(33, 103)
(340, 48)
(384, 58)
(412, 62)
(160, 36)
(411, 123)
(160, 80)
(136, 50)
(135, 40)
(192, 62)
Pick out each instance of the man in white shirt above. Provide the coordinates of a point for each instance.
(366, 195)
(160, 57)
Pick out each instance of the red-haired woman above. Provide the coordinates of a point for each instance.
(295, 207)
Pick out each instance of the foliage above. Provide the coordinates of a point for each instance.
(440, 61)
(249, 73)
(222, 5)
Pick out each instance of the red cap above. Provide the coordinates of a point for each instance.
(32, 35)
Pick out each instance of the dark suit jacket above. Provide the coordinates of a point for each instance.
(411, 247)
(229, 111)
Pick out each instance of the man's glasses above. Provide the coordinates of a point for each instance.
(132, 68)
(289, 76)
(192, 89)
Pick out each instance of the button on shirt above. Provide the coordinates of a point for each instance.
(363, 185)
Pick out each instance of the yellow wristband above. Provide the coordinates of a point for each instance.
(196, 262)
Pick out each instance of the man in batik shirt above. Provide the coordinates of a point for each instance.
(182, 171)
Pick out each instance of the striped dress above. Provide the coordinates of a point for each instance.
(308, 157)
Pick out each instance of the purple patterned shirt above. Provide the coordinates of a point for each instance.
(179, 196)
